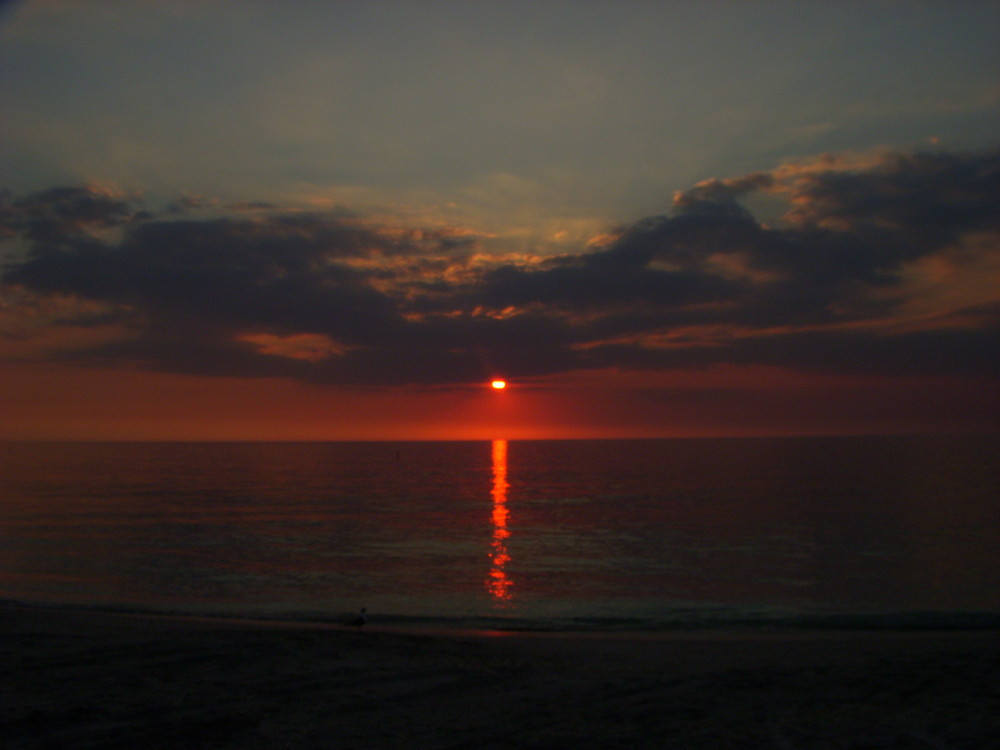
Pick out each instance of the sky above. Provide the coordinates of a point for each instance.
(341, 220)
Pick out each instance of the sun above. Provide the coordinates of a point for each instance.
(499, 385)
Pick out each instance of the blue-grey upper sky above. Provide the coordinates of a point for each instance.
(540, 112)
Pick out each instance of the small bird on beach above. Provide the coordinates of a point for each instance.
(361, 619)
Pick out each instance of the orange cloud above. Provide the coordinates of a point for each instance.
(308, 347)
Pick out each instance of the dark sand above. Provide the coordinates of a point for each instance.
(92, 680)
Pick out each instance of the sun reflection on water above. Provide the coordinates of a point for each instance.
(498, 583)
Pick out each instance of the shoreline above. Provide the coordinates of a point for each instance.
(749, 622)
(970, 625)
(84, 678)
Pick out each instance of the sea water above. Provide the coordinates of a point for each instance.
(536, 534)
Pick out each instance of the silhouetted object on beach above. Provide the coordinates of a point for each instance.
(361, 619)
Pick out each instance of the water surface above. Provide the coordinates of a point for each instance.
(645, 533)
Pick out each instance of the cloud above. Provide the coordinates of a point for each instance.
(61, 212)
(869, 270)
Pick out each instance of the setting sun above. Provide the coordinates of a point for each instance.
(499, 385)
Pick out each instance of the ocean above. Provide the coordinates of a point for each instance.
(588, 534)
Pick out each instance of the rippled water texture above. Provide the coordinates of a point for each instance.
(655, 530)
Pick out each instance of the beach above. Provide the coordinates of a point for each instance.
(86, 679)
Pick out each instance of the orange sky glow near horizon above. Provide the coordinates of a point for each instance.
(64, 404)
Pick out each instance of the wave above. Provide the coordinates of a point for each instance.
(682, 619)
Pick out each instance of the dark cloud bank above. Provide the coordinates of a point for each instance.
(260, 291)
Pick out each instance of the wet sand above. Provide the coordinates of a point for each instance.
(96, 680)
